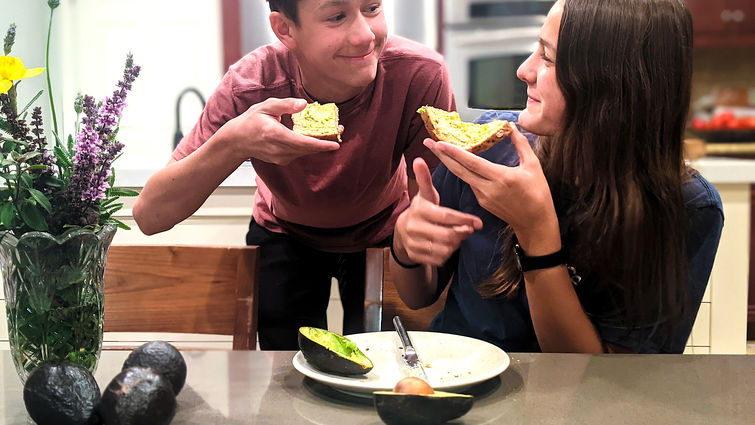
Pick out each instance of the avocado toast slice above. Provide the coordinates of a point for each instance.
(448, 127)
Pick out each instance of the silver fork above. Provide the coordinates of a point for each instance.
(410, 353)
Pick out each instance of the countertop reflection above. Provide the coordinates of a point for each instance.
(235, 387)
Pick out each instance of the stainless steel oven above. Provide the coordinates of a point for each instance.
(484, 42)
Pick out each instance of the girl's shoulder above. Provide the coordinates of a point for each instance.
(699, 193)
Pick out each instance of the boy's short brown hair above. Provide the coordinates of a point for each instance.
(290, 8)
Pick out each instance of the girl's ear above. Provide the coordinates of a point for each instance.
(284, 29)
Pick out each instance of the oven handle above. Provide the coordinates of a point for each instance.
(481, 37)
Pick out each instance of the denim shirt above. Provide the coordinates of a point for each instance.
(506, 322)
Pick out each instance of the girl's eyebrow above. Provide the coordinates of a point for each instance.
(546, 44)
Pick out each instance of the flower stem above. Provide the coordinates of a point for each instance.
(47, 68)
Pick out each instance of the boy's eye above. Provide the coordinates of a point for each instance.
(375, 8)
(337, 18)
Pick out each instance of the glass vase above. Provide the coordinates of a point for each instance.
(54, 293)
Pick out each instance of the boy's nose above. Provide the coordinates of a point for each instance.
(361, 31)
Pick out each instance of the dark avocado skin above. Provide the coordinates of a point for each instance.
(138, 396)
(62, 393)
(414, 409)
(328, 361)
(163, 358)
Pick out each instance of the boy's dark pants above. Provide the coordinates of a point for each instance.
(294, 287)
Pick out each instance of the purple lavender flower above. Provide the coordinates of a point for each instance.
(96, 147)
(39, 142)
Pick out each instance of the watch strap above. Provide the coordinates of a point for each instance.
(527, 262)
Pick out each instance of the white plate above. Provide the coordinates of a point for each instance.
(452, 362)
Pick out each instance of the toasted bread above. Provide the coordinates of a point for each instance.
(319, 121)
(448, 127)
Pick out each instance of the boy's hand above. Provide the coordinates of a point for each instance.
(426, 232)
(259, 133)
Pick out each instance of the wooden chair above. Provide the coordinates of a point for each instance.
(183, 289)
(382, 302)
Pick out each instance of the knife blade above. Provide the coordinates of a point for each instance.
(411, 358)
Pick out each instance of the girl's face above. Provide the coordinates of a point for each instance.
(545, 102)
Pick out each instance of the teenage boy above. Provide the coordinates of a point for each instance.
(318, 204)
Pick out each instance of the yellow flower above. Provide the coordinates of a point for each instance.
(12, 69)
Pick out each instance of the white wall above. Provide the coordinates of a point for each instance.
(31, 19)
(178, 43)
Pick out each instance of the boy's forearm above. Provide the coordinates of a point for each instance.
(175, 192)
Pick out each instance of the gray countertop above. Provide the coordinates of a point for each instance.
(258, 387)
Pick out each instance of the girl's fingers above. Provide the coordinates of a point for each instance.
(424, 181)
(448, 217)
(522, 146)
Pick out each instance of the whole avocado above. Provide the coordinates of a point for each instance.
(138, 396)
(62, 393)
(163, 358)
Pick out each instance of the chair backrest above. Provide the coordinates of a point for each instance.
(183, 289)
(382, 301)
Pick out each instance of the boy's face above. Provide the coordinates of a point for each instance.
(338, 43)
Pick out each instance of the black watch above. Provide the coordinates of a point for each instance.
(527, 263)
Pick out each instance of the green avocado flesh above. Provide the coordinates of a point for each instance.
(318, 116)
(317, 120)
(450, 127)
(421, 409)
(332, 353)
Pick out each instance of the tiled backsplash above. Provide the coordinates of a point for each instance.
(716, 67)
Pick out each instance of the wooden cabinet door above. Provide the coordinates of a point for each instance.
(739, 17)
(723, 22)
(706, 16)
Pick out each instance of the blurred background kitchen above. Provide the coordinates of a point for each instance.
(185, 46)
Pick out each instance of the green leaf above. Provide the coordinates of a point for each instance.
(9, 145)
(29, 156)
(121, 191)
(70, 143)
(33, 217)
(31, 101)
(26, 180)
(41, 200)
(62, 156)
(121, 224)
(112, 209)
(7, 214)
(36, 167)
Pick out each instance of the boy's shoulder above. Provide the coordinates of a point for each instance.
(265, 67)
(399, 49)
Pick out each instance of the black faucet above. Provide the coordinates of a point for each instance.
(179, 134)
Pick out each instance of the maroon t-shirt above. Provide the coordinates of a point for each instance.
(349, 199)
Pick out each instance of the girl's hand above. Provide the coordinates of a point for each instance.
(426, 232)
(517, 195)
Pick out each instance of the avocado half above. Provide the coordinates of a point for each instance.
(332, 353)
(421, 409)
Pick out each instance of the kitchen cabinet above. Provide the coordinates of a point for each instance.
(723, 22)
(721, 324)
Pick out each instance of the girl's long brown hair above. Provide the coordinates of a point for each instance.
(624, 67)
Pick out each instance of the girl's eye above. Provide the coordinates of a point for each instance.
(544, 57)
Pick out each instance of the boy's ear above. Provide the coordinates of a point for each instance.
(284, 29)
